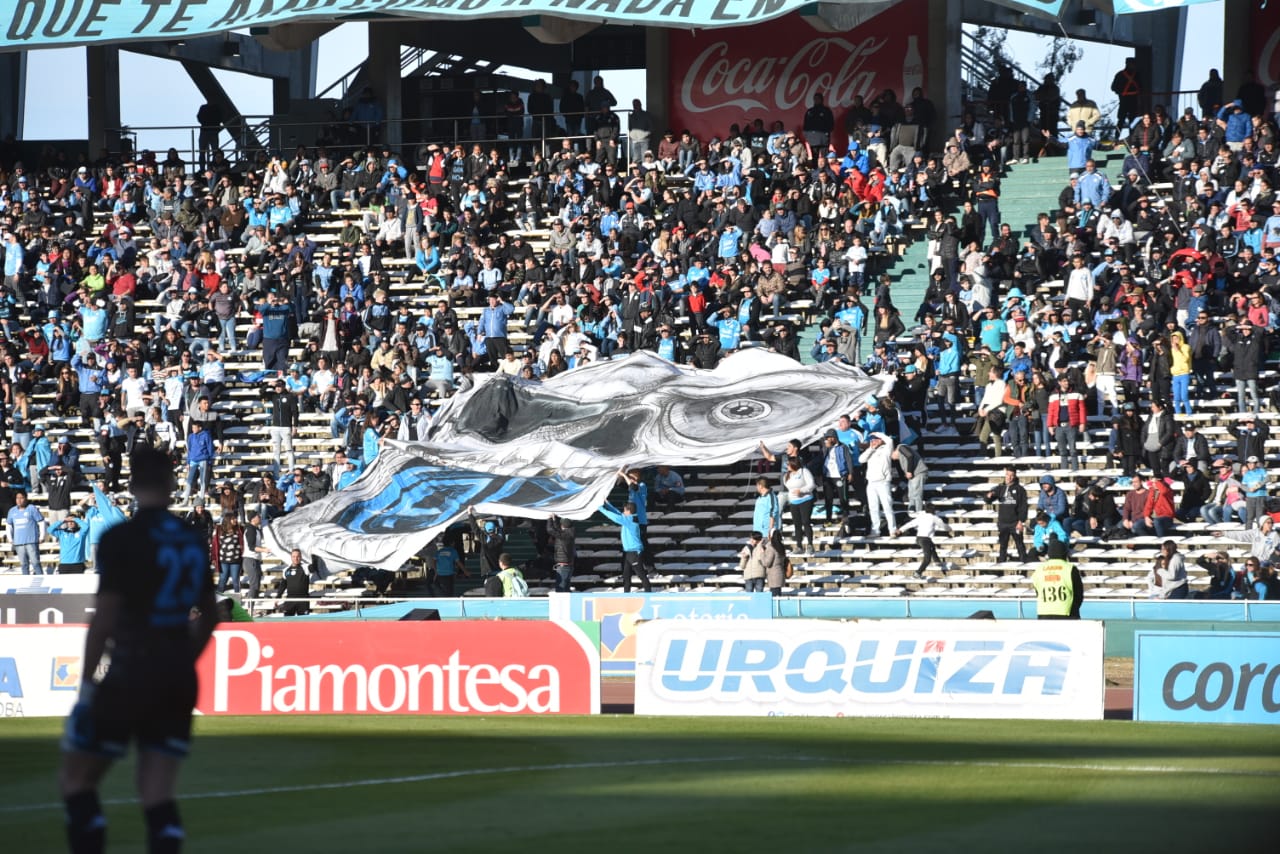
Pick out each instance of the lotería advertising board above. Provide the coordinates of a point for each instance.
(620, 613)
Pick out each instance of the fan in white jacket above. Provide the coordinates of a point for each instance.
(1115, 226)
(878, 458)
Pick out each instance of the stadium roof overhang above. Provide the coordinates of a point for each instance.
(32, 24)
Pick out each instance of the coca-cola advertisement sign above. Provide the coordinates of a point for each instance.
(1264, 32)
(772, 71)
(413, 668)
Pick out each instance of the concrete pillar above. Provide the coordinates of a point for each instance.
(102, 70)
(1236, 38)
(384, 76)
(657, 63)
(942, 66)
(13, 88)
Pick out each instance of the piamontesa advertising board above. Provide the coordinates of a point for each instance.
(446, 668)
(880, 668)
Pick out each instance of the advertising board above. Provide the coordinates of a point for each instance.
(39, 670)
(619, 613)
(772, 71)
(43, 609)
(451, 668)
(31, 585)
(908, 668)
(454, 668)
(1207, 677)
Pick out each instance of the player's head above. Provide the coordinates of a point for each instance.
(151, 477)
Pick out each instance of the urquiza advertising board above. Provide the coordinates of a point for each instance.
(878, 668)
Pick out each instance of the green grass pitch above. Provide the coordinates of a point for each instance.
(619, 784)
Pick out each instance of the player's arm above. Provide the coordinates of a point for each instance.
(203, 625)
(102, 626)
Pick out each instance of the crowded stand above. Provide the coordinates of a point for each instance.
(1098, 381)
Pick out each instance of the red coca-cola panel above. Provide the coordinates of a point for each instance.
(425, 668)
(1264, 34)
(771, 71)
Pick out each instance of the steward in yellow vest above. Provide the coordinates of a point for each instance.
(1059, 590)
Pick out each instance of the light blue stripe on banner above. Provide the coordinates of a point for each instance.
(1133, 7)
(1045, 8)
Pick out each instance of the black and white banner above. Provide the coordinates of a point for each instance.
(514, 447)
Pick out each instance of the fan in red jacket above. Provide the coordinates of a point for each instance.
(1157, 512)
(1066, 420)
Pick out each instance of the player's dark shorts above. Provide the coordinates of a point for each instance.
(149, 703)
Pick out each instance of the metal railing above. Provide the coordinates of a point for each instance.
(259, 133)
(978, 70)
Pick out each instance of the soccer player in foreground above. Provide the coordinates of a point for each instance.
(153, 570)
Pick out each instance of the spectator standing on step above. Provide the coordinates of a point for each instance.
(1067, 419)
(762, 564)
(986, 192)
(26, 529)
(632, 544)
(1253, 479)
(277, 332)
(926, 523)
(1010, 499)
(799, 484)
(878, 459)
(916, 472)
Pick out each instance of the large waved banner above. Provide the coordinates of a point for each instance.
(1134, 7)
(429, 668)
(519, 448)
(1207, 677)
(39, 670)
(772, 71)
(45, 23)
(892, 668)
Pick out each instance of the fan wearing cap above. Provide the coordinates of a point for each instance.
(1228, 495)
(72, 536)
(1252, 435)
(1253, 479)
(1248, 350)
(492, 540)
(35, 458)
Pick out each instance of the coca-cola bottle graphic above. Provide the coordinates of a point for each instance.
(912, 69)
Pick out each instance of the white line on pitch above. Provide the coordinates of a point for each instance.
(693, 760)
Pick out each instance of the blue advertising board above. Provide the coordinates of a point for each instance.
(1207, 677)
(619, 613)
